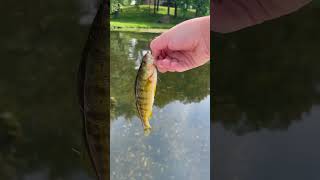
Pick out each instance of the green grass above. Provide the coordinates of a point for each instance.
(143, 18)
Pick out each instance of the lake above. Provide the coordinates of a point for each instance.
(40, 119)
(40, 122)
(179, 144)
(267, 100)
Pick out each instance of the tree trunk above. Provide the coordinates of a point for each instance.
(175, 9)
(154, 6)
(168, 7)
(158, 4)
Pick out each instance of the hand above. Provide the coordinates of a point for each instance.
(183, 47)
(232, 15)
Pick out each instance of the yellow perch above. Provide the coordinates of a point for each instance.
(145, 89)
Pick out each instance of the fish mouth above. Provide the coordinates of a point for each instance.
(148, 58)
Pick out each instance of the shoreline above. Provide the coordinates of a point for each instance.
(137, 30)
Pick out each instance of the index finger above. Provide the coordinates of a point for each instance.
(158, 44)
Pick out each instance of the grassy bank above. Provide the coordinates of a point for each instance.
(143, 19)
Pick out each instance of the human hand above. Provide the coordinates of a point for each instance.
(229, 16)
(183, 47)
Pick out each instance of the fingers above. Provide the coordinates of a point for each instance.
(175, 50)
(179, 67)
(184, 36)
(162, 65)
(166, 65)
(171, 66)
(158, 44)
(176, 62)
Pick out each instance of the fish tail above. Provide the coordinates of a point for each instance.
(146, 128)
(146, 125)
(146, 132)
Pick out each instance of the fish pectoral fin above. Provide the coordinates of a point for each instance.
(150, 78)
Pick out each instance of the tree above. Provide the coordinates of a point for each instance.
(202, 7)
(158, 4)
(184, 6)
(114, 6)
(168, 13)
(175, 8)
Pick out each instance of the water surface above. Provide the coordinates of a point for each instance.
(40, 123)
(178, 147)
(267, 100)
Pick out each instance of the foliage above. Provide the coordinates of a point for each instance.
(141, 16)
(130, 17)
(202, 7)
(114, 5)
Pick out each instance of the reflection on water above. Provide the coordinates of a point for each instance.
(88, 9)
(178, 147)
(40, 122)
(266, 84)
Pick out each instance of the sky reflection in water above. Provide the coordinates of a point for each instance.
(178, 146)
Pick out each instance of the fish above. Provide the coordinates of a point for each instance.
(94, 93)
(145, 90)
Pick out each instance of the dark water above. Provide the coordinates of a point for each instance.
(40, 123)
(267, 100)
(40, 47)
(178, 147)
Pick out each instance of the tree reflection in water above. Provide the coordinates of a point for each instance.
(178, 146)
(267, 76)
(193, 85)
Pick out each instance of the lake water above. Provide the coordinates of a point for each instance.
(40, 123)
(267, 100)
(179, 144)
(266, 111)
